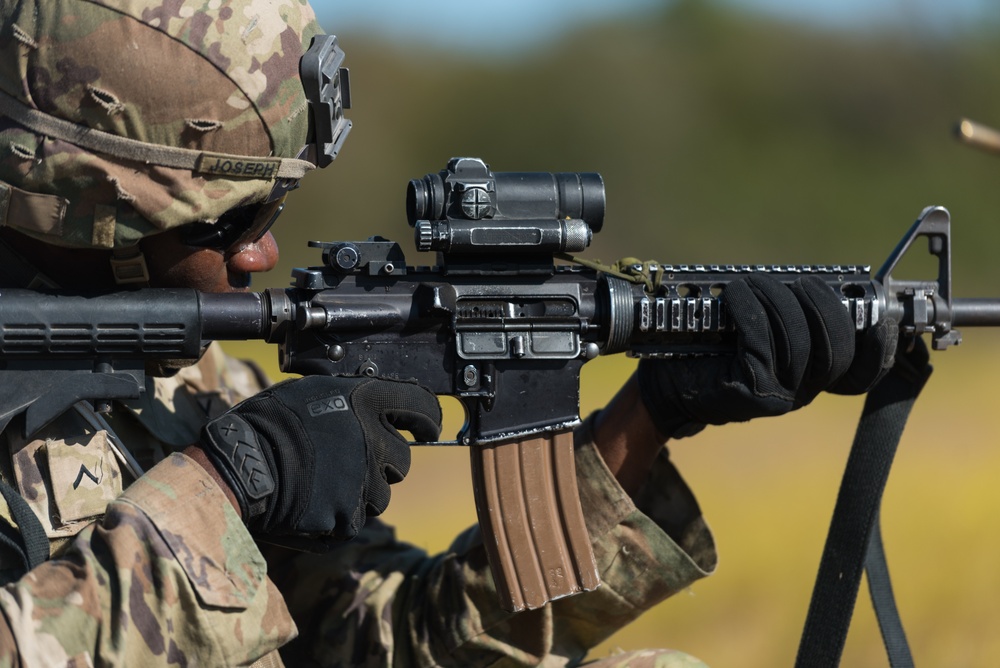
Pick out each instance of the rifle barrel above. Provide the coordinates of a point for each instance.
(975, 312)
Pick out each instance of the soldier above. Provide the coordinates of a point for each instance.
(151, 142)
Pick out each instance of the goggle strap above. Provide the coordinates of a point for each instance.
(218, 164)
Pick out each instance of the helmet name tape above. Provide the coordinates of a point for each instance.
(226, 165)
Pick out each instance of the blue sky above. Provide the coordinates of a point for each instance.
(508, 24)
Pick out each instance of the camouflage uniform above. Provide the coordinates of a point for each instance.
(169, 573)
(160, 570)
(166, 573)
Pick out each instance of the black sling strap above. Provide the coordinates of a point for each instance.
(29, 539)
(848, 546)
(884, 601)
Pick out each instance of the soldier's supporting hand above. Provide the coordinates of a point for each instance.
(794, 342)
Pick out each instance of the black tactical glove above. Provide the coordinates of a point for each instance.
(315, 456)
(793, 342)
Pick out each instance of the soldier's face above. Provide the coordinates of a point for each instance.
(172, 264)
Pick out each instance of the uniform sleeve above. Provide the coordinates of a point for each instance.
(379, 602)
(169, 576)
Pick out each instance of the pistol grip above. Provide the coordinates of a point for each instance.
(532, 522)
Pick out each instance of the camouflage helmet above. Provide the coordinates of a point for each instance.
(124, 118)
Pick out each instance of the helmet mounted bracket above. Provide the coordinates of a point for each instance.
(328, 92)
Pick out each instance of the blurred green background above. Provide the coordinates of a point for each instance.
(726, 136)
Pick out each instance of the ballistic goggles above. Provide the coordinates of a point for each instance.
(235, 228)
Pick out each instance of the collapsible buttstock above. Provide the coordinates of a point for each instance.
(533, 527)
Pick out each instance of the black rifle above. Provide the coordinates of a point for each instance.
(496, 323)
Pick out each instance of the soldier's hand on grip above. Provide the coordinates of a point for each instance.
(793, 342)
(315, 456)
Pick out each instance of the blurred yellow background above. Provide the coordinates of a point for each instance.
(725, 137)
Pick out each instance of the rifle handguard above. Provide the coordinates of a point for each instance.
(532, 521)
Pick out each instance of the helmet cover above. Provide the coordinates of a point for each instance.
(214, 76)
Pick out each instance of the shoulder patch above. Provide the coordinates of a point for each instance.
(67, 481)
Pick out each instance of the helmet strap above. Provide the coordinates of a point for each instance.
(129, 266)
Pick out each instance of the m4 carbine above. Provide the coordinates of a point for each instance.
(496, 323)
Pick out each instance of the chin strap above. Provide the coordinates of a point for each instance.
(129, 267)
(128, 264)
